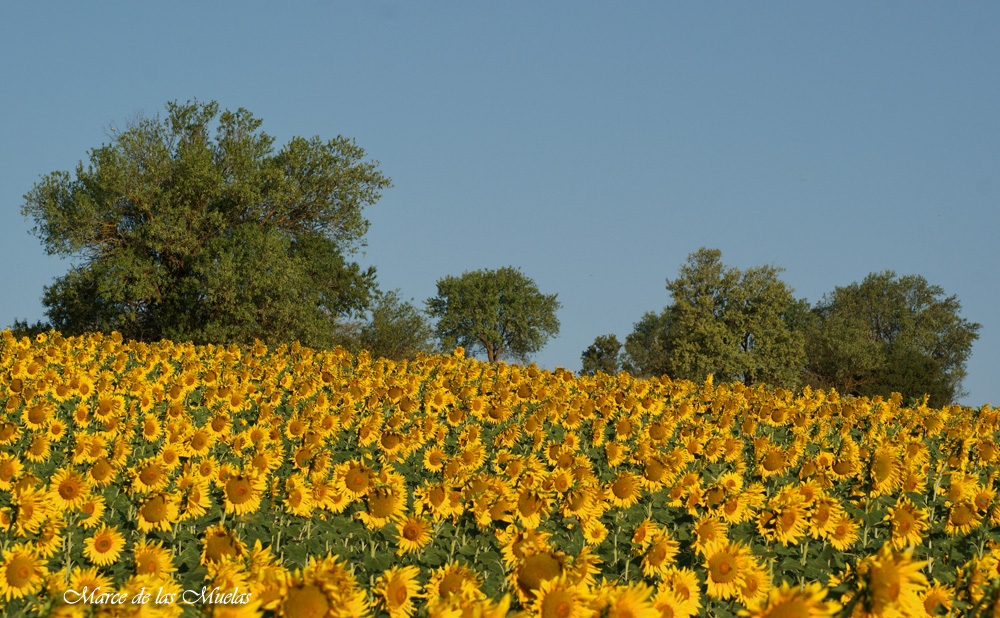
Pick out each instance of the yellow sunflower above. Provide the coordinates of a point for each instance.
(726, 564)
(384, 504)
(68, 489)
(789, 602)
(908, 522)
(105, 546)
(220, 544)
(532, 570)
(243, 493)
(414, 534)
(659, 556)
(624, 491)
(895, 583)
(962, 517)
(158, 512)
(152, 559)
(398, 588)
(556, 598)
(10, 469)
(21, 572)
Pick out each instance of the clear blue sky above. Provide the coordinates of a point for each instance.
(593, 145)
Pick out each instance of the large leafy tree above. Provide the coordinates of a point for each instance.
(602, 355)
(500, 312)
(194, 227)
(732, 324)
(396, 329)
(891, 334)
(646, 353)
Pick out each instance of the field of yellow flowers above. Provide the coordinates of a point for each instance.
(168, 479)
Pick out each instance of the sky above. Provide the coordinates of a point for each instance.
(592, 145)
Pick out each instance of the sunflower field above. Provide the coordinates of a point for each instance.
(171, 480)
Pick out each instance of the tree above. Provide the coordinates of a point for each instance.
(501, 312)
(602, 355)
(396, 329)
(732, 324)
(195, 228)
(891, 334)
(21, 328)
(646, 353)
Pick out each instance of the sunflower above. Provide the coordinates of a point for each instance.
(885, 471)
(909, 523)
(50, 537)
(31, 509)
(414, 534)
(21, 572)
(937, 596)
(659, 556)
(726, 564)
(91, 511)
(158, 512)
(594, 531)
(644, 534)
(787, 520)
(532, 505)
(105, 546)
(756, 585)
(624, 491)
(667, 605)
(355, 478)
(150, 428)
(709, 531)
(384, 504)
(773, 461)
(69, 489)
(149, 475)
(398, 588)
(39, 448)
(532, 570)
(219, 545)
(683, 585)
(453, 579)
(962, 517)
(243, 493)
(895, 583)
(556, 598)
(90, 578)
(10, 469)
(298, 497)
(152, 559)
(101, 473)
(825, 514)
(843, 533)
(37, 415)
(632, 601)
(788, 602)
(195, 500)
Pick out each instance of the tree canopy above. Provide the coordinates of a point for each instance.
(500, 312)
(602, 355)
(194, 227)
(890, 334)
(732, 324)
(396, 329)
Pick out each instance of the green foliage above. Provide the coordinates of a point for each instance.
(396, 329)
(732, 324)
(499, 311)
(602, 355)
(21, 328)
(195, 228)
(890, 334)
(646, 352)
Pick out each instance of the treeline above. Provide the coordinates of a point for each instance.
(195, 227)
(885, 334)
